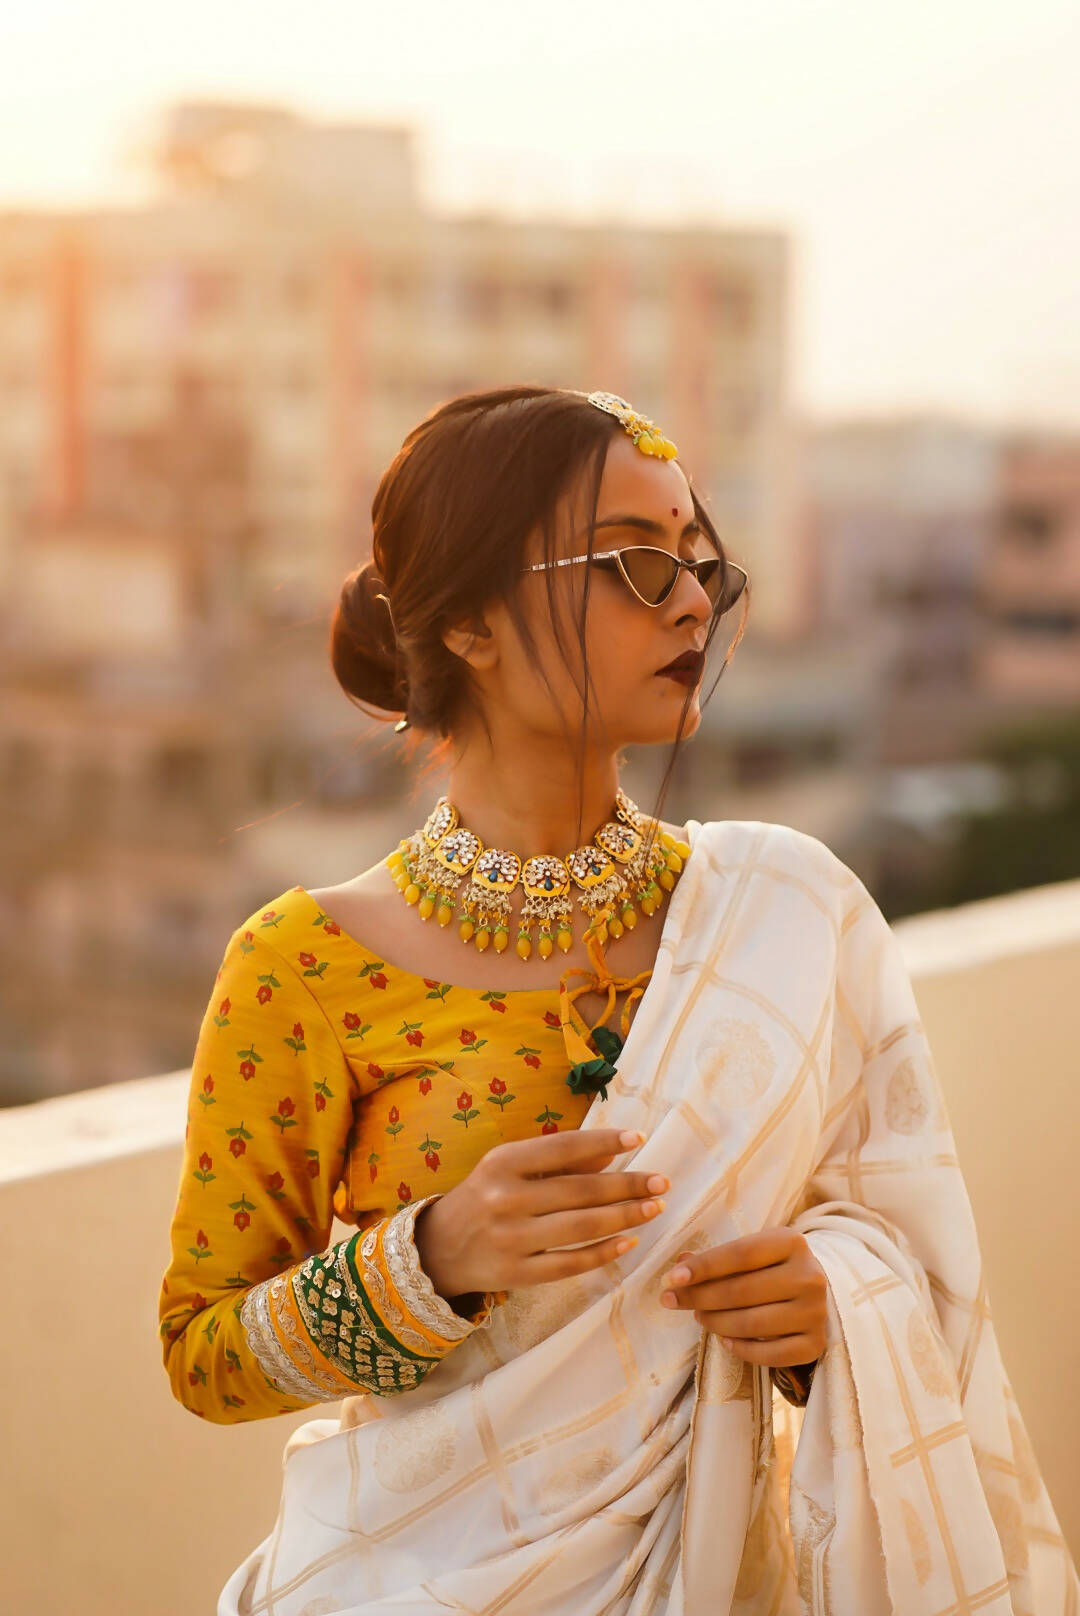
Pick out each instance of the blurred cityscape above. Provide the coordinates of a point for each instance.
(198, 399)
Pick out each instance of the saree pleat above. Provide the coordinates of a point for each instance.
(586, 1452)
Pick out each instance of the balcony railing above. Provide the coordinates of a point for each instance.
(118, 1501)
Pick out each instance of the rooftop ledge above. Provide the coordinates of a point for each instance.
(119, 1119)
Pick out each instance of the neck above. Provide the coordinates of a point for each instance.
(531, 807)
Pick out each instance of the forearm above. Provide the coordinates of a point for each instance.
(426, 1240)
(361, 1316)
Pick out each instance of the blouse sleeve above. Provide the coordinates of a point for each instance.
(258, 1314)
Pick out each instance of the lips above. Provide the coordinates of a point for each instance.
(688, 662)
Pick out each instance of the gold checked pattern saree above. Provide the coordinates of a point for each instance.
(584, 1452)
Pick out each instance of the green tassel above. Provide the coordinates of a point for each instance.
(593, 1076)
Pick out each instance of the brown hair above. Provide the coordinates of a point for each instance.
(450, 521)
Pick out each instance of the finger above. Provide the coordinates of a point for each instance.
(545, 1266)
(776, 1320)
(780, 1353)
(776, 1284)
(566, 1191)
(554, 1153)
(557, 1229)
(749, 1252)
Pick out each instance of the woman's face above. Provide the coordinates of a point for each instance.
(642, 500)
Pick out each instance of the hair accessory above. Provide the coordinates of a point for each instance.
(403, 723)
(381, 596)
(646, 434)
(619, 868)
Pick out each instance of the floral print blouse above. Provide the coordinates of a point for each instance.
(327, 1083)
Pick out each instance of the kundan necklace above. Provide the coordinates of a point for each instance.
(611, 873)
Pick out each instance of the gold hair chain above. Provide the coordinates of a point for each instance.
(612, 873)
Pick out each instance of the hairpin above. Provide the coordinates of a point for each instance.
(402, 723)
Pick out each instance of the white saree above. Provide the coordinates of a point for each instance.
(588, 1453)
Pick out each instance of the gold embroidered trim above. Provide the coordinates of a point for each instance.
(334, 1382)
(267, 1351)
(412, 1283)
(383, 1303)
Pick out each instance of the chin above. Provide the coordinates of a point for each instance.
(652, 728)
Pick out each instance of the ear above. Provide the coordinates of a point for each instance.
(473, 641)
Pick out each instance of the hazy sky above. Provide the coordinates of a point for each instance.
(925, 156)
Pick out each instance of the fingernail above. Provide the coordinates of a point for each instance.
(668, 1299)
(657, 1184)
(631, 1137)
(678, 1276)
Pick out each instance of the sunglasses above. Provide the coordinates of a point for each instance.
(651, 573)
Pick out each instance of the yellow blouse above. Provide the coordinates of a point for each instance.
(326, 1082)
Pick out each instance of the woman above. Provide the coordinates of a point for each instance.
(584, 1257)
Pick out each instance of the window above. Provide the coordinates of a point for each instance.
(1029, 524)
(731, 304)
(180, 772)
(556, 299)
(1042, 623)
(758, 763)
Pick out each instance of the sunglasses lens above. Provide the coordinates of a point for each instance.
(652, 573)
(731, 581)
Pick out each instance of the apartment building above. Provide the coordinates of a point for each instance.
(291, 275)
(900, 518)
(197, 398)
(1031, 653)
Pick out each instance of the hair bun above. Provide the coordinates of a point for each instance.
(364, 651)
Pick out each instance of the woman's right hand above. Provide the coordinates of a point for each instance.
(505, 1224)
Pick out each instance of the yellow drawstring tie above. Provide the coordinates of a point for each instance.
(574, 1030)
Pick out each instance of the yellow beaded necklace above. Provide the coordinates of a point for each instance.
(611, 872)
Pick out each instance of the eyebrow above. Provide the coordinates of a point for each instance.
(646, 525)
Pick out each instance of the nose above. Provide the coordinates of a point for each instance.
(694, 599)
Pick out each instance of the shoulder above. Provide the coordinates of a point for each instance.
(787, 850)
(283, 924)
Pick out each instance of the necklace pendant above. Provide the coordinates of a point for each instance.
(495, 874)
(437, 870)
(545, 881)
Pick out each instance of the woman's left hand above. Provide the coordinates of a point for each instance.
(763, 1294)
